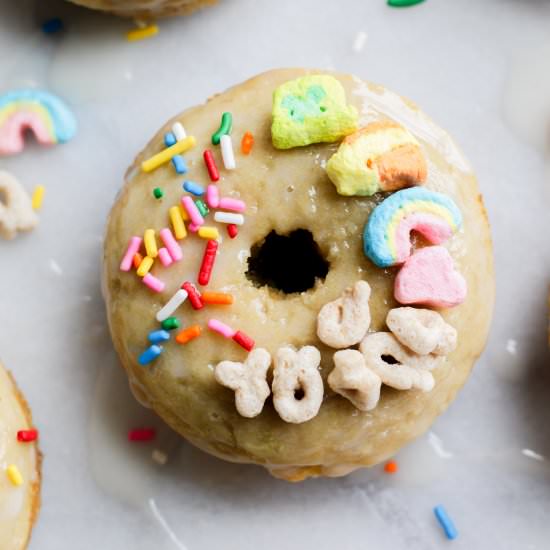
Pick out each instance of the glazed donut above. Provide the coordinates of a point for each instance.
(299, 275)
(19, 467)
(146, 8)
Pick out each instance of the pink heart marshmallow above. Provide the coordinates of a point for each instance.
(428, 277)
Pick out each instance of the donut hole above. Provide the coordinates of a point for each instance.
(288, 263)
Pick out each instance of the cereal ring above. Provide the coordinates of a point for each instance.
(248, 380)
(422, 330)
(16, 213)
(345, 321)
(396, 366)
(352, 379)
(296, 372)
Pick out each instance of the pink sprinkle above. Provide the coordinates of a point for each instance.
(133, 247)
(164, 257)
(192, 210)
(171, 244)
(235, 205)
(212, 196)
(223, 329)
(153, 283)
(193, 228)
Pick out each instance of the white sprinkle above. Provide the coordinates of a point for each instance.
(229, 217)
(165, 526)
(323, 164)
(532, 454)
(512, 346)
(227, 152)
(179, 131)
(437, 445)
(55, 267)
(159, 457)
(359, 42)
(173, 303)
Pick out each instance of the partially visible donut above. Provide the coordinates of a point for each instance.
(19, 504)
(293, 212)
(146, 8)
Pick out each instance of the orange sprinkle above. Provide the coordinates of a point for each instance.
(138, 258)
(247, 143)
(220, 298)
(391, 467)
(188, 334)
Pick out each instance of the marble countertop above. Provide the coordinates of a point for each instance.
(473, 67)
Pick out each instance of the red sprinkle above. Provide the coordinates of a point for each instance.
(211, 165)
(208, 260)
(142, 434)
(232, 230)
(243, 340)
(193, 294)
(391, 467)
(26, 436)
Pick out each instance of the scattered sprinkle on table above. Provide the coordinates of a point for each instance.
(158, 193)
(142, 434)
(52, 26)
(26, 436)
(14, 475)
(159, 457)
(403, 3)
(391, 467)
(446, 522)
(38, 197)
(143, 33)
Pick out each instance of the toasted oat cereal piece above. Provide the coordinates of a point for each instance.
(397, 366)
(422, 330)
(297, 384)
(345, 321)
(353, 380)
(248, 380)
(16, 213)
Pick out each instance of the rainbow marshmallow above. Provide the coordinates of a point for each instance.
(46, 115)
(386, 239)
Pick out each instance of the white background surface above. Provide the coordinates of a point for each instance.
(453, 58)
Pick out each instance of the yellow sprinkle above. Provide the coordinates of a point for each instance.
(177, 222)
(145, 266)
(140, 34)
(210, 233)
(167, 154)
(37, 197)
(184, 214)
(14, 475)
(150, 243)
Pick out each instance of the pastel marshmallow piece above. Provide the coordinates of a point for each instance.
(429, 278)
(311, 109)
(382, 156)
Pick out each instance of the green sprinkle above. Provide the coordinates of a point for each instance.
(225, 128)
(203, 209)
(403, 3)
(158, 193)
(171, 323)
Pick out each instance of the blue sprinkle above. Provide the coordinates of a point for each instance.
(179, 164)
(158, 336)
(150, 354)
(51, 26)
(178, 161)
(446, 522)
(194, 188)
(169, 139)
